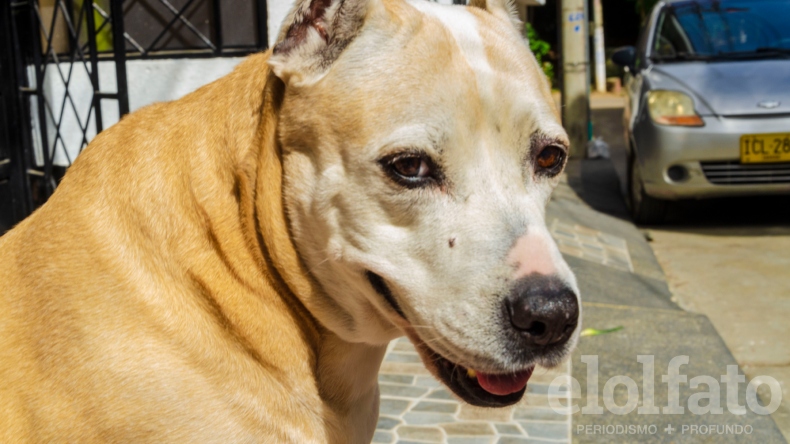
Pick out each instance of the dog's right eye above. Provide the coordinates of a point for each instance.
(411, 169)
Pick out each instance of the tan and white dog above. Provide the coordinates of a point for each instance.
(230, 267)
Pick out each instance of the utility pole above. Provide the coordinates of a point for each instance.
(600, 56)
(575, 74)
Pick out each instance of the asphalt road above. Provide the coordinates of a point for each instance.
(728, 259)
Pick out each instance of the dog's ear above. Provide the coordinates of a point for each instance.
(505, 9)
(313, 36)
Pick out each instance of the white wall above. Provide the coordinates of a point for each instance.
(276, 10)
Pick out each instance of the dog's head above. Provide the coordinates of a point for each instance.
(420, 147)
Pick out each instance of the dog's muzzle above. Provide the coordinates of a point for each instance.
(539, 317)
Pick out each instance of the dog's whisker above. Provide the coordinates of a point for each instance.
(390, 330)
(318, 265)
(422, 326)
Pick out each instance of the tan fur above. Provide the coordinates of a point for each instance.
(166, 263)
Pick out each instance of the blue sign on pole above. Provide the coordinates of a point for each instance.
(576, 17)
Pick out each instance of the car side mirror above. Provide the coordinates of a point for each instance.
(625, 57)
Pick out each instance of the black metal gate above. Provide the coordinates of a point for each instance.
(48, 46)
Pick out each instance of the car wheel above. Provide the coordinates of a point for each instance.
(644, 209)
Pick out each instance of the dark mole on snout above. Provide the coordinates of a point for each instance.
(451, 242)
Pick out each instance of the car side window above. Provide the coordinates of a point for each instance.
(671, 39)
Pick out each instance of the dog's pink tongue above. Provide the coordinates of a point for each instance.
(501, 385)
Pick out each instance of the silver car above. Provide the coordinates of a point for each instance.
(708, 110)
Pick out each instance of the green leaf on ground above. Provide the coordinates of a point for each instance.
(596, 332)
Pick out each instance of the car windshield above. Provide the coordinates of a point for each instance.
(712, 30)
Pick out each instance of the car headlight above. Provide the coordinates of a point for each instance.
(672, 108)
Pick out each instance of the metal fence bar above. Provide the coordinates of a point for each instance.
(17, 19)
(93, 53)
(119, 50)
(217, 12)
(177, 16)
(18, 200)
(35, 22)
(68, 15)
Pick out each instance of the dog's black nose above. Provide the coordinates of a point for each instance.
(543, 310)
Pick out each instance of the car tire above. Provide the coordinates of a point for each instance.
(644, 209)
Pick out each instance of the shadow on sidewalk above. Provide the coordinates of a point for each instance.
(597, 185)
(734, 216)
(599, 182)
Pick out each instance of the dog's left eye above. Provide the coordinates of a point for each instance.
(550, 159)
(411, 169)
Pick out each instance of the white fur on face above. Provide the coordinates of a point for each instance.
(446, 252)
(463, 26)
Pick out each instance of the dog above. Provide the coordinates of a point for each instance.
(231, 266)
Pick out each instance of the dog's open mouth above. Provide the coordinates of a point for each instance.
(477, 388)
(474, 387)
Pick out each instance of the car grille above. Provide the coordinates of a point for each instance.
(736, 173)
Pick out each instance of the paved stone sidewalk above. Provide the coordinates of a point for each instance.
(416, 408)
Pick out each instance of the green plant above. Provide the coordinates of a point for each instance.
(541, 49)
(103, 33)
(596, 332)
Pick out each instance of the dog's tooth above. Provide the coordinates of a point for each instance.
(471, 373)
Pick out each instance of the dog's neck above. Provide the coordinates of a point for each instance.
(265, 260)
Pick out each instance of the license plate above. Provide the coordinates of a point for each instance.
(765, 148)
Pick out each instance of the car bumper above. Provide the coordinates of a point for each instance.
(711, 157)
